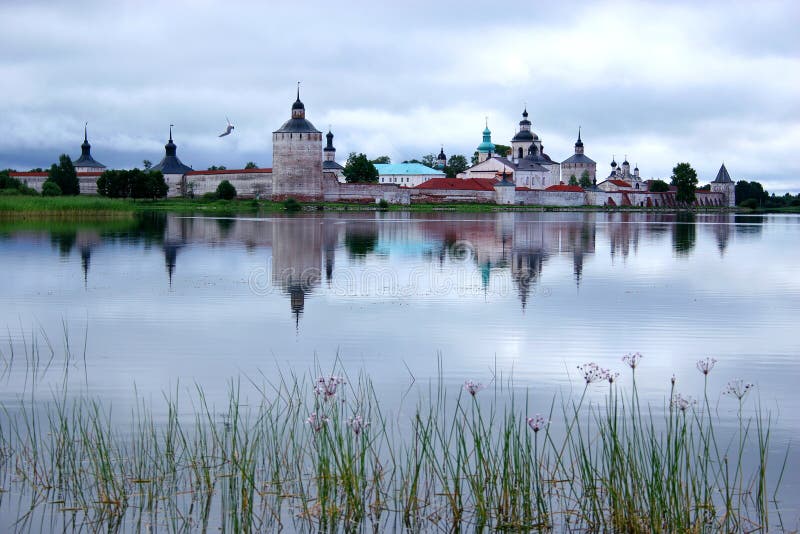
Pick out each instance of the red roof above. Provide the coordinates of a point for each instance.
(567, 188)
(523, 188)
(620, 183)
(23, 174)
(43, 174)
(231, 171)
(467, 184)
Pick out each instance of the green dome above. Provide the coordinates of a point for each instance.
(486, 145)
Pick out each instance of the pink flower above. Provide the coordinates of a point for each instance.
(357, 424)
(737, 388)
(317, 422)
(594, 373)
(537, 422)
(705, 366)
(681, 402)
(328, 386)
(632, 359)
(473, 387)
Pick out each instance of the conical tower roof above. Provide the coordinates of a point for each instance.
(171, 164)
(722, 176)
(86, 159)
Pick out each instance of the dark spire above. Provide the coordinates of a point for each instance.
(525, 112)
(579, 142)
(86, 159)
(170, 132)
(329, 136)
(298, 104)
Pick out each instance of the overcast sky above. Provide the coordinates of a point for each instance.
(703, 82)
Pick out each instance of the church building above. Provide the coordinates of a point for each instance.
(528, 165)
(172, 168)
(578, 164)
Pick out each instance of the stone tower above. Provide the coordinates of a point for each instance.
(524, 138)
(578, 163)
(723, 184)
(86, 163)
(172, 168)
(329, 163)
(297, 157)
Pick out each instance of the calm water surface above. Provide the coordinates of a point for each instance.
(166, 302)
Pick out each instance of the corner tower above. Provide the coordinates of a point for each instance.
(723, 184)
(297, 157)
(86, 163)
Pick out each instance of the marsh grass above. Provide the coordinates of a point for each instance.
(599, 461)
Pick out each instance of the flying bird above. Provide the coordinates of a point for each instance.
(229, 129)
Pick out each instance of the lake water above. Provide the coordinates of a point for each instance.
(167, 302)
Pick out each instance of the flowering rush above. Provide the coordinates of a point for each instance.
(317, 422)
(357, 424)
(537, 422)
(705, 366)
(473, 387)
(682, 403)
(737, 388)
(632, 359)
(594, 373)
(327, 386)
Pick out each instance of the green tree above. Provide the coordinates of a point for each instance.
(429, 160)
(218, 168)
(744, 190)
(64, 176)
(573, 180)
(226, 191)
(412, 161)
(147, 164)
(659, 186)
(684, 177)
(586, 180)
(51, 189)
(382, 159)
(251, 165)
(358, 169)
(456, 164)
(134, 183)
(475, 157)
(502, 150)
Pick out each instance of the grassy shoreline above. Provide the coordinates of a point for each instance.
(322, 452)
(12, 206)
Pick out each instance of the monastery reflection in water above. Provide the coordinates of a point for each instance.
(303, 248)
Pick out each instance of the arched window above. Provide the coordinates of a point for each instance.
(520, 153)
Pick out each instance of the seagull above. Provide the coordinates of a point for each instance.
(228, 129)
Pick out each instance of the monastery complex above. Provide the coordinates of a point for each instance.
(304, 167)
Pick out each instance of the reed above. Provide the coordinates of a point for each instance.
(321, 451)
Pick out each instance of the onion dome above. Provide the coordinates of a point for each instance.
(525, 121)
(86, 159)
(171, 164)
(441, 156)
(613, 163)
(329, 146)
(523, 135)
(486, 145)
(298, 122)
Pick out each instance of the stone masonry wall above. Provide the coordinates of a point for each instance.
(297, 166)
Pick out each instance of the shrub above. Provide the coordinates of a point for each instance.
(51, 189)
(383, 204)
(226, 191)
(291, 204)
(659, 186)
(750, 203)
(210, 196)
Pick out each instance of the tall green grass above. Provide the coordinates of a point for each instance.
(322, 451)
